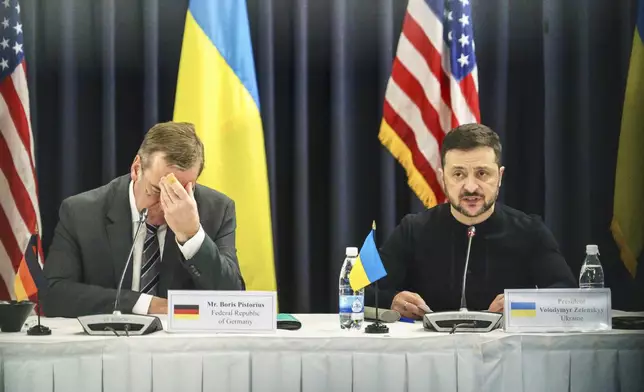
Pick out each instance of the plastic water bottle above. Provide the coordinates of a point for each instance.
(591, 275)
(351, 302)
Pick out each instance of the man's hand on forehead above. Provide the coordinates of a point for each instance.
(179, 207)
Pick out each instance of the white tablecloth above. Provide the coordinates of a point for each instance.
(321, 357)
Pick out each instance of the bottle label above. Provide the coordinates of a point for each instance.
(351, 304)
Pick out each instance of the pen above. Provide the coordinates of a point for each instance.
(406, 320)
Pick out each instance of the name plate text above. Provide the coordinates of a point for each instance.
(557, 310)
(222, 311)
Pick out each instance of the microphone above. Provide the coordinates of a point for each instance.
(464, 320)
(142, 218)
(129, 324)
(471, 232)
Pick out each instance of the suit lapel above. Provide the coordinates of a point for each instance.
(119, 231)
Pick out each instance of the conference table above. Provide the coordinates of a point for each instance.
(321, 357)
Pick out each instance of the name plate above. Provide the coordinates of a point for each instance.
(557, 310)
(222, 311)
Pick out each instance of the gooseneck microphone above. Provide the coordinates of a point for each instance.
(464, 320)
(116, 323)
(471, 231)
(143, 216)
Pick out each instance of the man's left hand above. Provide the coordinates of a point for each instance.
(179, 208)
(497, 304)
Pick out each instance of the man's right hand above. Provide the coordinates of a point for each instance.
(409, 305)
(158, 306)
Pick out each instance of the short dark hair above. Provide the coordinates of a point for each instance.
(179, 143)
(470, 136)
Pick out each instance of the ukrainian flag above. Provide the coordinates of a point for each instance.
(628, 208)
(217, 91)
(368, 267)
(523, 309)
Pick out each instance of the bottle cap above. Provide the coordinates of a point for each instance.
(592, 249)
(352, 251)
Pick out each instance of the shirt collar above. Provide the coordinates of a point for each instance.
(135, 212)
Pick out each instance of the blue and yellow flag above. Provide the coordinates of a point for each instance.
(523, 309)
(628, 206)
(368, 268)
(217, 91)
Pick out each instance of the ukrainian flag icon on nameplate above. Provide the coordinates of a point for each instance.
(523, 309)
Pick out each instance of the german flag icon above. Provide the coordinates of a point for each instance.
(186, 312)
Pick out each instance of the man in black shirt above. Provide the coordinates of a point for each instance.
(425, 255)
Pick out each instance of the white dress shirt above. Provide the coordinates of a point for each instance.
(189, 249)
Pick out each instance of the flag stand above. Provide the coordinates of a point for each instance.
(38, 329)
(377, 326)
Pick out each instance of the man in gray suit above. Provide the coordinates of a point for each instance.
(187, 243)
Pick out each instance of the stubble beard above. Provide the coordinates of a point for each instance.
(486, 204)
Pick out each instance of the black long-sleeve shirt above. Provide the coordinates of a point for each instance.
(426, 254)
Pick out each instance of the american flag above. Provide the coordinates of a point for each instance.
(433, 88)
(19, 210)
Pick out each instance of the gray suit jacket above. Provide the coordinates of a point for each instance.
(92, 241)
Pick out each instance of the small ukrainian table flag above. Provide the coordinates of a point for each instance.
(368, 268)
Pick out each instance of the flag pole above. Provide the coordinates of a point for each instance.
(38, 329)
(377, 326)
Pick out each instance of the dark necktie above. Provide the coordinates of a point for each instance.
(150, 262)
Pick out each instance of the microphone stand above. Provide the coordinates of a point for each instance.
(471, 231)
(129, 324)
(463, 319)
(142, 218)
